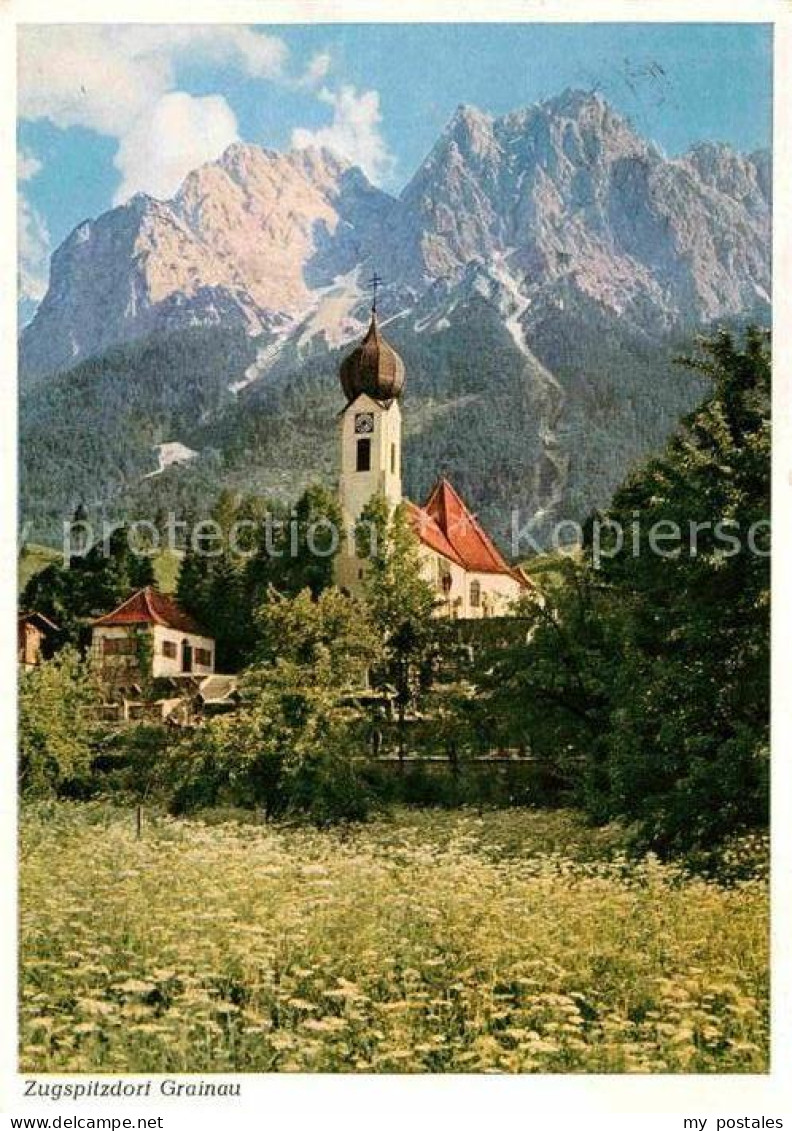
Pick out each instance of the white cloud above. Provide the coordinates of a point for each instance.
(28, 165)
(105, 77)
(180, 133)
(317, 69)
(33, 252)
(120, 80)
(354, 132)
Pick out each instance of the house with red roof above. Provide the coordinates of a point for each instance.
(458, 558)
(152, 628)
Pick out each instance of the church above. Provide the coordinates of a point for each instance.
(458, 559)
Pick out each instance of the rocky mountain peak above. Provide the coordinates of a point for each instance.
(741, 177)
(560, 197)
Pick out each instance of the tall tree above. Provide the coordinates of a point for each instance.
(400, 600)
(646, 672)
(73, 592)
(690, 743)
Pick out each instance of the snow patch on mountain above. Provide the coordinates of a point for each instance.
(170, 453)
(333, 314)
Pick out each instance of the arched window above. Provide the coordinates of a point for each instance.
(475, 594)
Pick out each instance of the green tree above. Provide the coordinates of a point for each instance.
(297, 550)
(547, 687)
(304, 630)
(292, 746)
(690, 737)
(400, 601)
(212, 584)
(55, 726)
(255, 550)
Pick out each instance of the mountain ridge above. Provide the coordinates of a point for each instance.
(565, 191)
(542, 267)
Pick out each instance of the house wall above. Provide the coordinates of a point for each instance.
(161, 665)
(165, 666)
(29, 641)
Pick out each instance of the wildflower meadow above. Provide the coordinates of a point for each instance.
(509, 941)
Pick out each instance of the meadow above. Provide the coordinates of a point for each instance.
(427, 941)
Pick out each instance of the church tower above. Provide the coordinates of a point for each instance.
(372, 378)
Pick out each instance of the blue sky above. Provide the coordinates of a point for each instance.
(108, 110)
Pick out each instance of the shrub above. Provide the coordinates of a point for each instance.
(56, 730)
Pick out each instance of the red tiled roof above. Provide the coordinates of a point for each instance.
(430, 533)
(149, 606)
(446, 525)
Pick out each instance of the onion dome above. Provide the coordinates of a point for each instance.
(373, 367)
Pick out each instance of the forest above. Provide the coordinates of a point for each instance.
(88, 435)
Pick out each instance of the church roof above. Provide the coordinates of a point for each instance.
(372, 367)
(430, 533)
(149, 606)
(446, 525)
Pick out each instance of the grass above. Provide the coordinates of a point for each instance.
(34, 558)
(548, 569)
(516, 942)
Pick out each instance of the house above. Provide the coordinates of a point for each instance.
(150, 628)
(36, 636)
(458, 558)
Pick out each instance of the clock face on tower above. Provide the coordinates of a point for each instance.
(364, 423)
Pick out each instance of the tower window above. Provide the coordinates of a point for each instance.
(393, 459)
(475, 594)
(364, 455)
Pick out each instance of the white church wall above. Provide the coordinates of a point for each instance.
(496, 592)
(369, 421)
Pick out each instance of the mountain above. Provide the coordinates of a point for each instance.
(542, 270)
(566, 196)
(241, 244)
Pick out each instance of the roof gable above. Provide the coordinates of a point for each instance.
(475, 549)
(446, 525)
(149, 606)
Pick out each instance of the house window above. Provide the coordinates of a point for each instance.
(203, 656)
(475, 594)
(364, 455)
(119, 646)
(169, 649)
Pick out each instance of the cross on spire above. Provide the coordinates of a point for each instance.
(374, 282)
